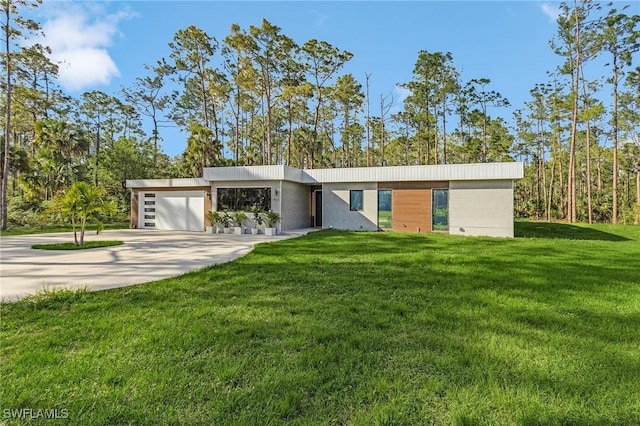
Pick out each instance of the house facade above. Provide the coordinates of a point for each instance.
(466, 199)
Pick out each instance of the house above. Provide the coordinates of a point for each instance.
(466, 199)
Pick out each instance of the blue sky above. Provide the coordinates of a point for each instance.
(104, 45)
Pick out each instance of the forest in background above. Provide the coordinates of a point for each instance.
(264, 98)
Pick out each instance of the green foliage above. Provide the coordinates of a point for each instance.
(73, 246)
(275, 100)
(48, 228)
(258, 218)
(226, 219)
(631, 215)
(350, 328)
(21, 212)
(271, 218)
(79, 204)
(214, 217)
(239, 218)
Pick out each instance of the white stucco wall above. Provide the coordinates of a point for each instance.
(335, 207)
(295, 206)
(481, 208)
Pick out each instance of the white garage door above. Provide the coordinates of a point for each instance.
(176, 210)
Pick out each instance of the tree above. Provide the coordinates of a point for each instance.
(62, 142)
(349, 97)
(323, 61)
(629, 119)
(127, 158)
(148, 98)
(434, 80)
(99, 110)
(201, 150)
(79, 204)
(620, 38)
(576, 42)
(479, 95)
(13, 29)
(270, 50)
(192, 50)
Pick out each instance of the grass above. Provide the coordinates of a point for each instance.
(48, 229)
(350, 328)
(72, 246)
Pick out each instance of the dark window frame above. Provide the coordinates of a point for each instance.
(243, 198)
(390, 209)
(356, 204)
(434, 207)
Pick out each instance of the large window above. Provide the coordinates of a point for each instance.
(384, 209)
(356, 200)
(243, 199)
(440, 209)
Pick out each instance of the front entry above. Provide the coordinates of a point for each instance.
(317, 201)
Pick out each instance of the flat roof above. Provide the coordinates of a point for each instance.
(167, 183)
(441, 172)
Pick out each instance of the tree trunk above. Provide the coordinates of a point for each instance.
(589, 198)
(638, 185)
(614, 119)
(289, 132)
(444, 130)
(82, 228)
(550, 194)
(7, 131)
(367, 76)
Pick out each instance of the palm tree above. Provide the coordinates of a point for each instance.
(80, 203)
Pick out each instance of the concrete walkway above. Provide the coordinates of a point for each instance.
(146, 255)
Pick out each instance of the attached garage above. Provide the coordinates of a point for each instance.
(179, 205)
(173, 210)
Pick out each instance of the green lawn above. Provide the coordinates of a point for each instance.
(71, 246)
(48, 229)
(350, 328)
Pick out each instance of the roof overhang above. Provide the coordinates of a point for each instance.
(167, 183)
(444, 172)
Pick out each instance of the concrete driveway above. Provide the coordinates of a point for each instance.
(146, 255)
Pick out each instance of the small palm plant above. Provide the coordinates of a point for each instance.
(272, 218)
(258, 219)
(238, 220)
(225, 220)
(80, 204)
(215, 218)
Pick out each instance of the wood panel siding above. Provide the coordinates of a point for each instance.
(411, 210)
(134, 211)
(413, 185)
(207, 207)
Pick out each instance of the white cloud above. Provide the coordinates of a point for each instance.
(397, 95)
(79, 36)
(319, 17)
(400, 94)
(551, 10)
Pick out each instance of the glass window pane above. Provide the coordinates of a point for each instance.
(384, 209)
(356, 200)
(243, 199)
(440, 209)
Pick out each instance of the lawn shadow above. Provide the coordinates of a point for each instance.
(564, 231)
